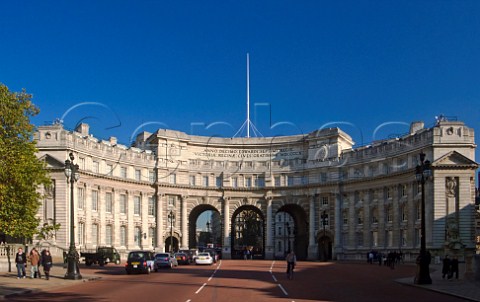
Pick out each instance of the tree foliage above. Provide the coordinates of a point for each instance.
(21, 172)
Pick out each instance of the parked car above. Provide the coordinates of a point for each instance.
(182, 258)
(204, 258)
(101, 256)
(191, 253)
(139, 262)
(165, 260)
(212, 253)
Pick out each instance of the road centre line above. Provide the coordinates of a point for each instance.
(201, 287)
(283, 289)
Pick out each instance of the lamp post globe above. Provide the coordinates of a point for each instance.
(422, 173)
(72, 174)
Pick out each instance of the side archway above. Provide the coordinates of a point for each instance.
(297, 231)
(192, 224)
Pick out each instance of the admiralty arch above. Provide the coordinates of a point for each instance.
(316, 193)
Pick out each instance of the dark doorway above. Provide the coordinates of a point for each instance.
(248, 233)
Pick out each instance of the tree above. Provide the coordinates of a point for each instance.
(21, 172)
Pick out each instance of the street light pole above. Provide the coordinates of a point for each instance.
(72, 173)
(324, 223)
(208, 232)
(422, 173)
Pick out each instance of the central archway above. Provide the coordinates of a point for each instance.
(248, 232)
(214, 232)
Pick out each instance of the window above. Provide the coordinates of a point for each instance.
(418, 235)
(219, 181)
(289, 180)
(323, 177)
(403, 237)
(248, 182)
(404, 210)
(389, 213)
(123, 204)
(137, 236)
(191, 180)
(345, 217)
(137, 208)
(172, 178)
(108, 202)
(95, 234)
(81, 233)
(138, 175)
(95, 167)
(260, 182)
(387, 193)
(205, 181)
(152, 236)
(389, 238)
(123, 235)
(325, 201)
(108, 235)
(81, 163)
(375, 215)
(151, 176)
(151, 206)
(81, 198)
(359, 239)
(109, 170)
(403, 190)
(304, 180)
(375, 238)
(94, 200)
(123, 172)
(360, 216)
(277, 181)
(171, 201)
(234, 182)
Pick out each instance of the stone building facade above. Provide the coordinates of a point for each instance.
(337, 201)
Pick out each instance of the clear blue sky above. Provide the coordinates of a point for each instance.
(182, 65)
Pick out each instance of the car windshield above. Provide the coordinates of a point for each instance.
(204, 254)
(161, 255)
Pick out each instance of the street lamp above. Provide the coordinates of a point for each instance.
(72, 173)
(208, 232)
(171, 216)
(324, 223)
(422, 173)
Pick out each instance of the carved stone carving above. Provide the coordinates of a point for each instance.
(450, 186)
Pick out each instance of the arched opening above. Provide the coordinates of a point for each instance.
(171, 241)
(204, 227)
(248, 233)
(324, 248)
(292, 230)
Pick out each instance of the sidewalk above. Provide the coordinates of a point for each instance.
(466, 288)
(11, 286)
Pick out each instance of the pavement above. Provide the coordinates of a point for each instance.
(465, 287)
(10, 286)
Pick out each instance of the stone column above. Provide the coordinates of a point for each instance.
(145, 240)
(226, 253)
(88, 217)
(160, 227)
(131, 226)
(312, 246)
(269, 249)
(338, 226)
(184, 227)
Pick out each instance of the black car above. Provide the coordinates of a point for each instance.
(140, 262)
(182, 258)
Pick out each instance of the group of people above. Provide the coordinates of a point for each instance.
(450, 267)
(388, 259)
(36, 260)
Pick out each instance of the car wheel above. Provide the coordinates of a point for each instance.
(117, 261)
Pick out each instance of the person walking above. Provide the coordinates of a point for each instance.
(291, 262)
(34, 258)
(46, 263)
(454, 267)
(445, 267)
(20, 261)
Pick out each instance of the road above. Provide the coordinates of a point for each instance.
(251, 280)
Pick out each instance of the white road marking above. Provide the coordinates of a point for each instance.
(283, 289)
(200, 289)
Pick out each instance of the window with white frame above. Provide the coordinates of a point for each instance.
(123, 235)
(137, 236)
(138, 174)
(234, 182)
(123, 172)
(108, 235)
(94, 200)
(95, 234)
(325, 201)
(108, 202)
(81, 198)
(95, 167)
(81, 233)
(277, 181)
(191, 180)
(109, 171)
(151, 176)
(205, 181)
(137, 205)
(123, 204)
(404, 212)
(172, 178)
(151, 206)
(171, 201)
(389, 212)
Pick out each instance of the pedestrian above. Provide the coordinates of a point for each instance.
(454, 267)
(21, 262)
(34, 258)
(445, 267)
(46, 263)
(291, 262)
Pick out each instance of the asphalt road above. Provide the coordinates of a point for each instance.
(240, 280)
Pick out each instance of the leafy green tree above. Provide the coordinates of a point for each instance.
(21, 172)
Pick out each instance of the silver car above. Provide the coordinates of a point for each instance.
(165, 260)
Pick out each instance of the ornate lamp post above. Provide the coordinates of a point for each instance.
(324, 223)
(171, 216)
(422, 173)
(71, 171)
(208, 232)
